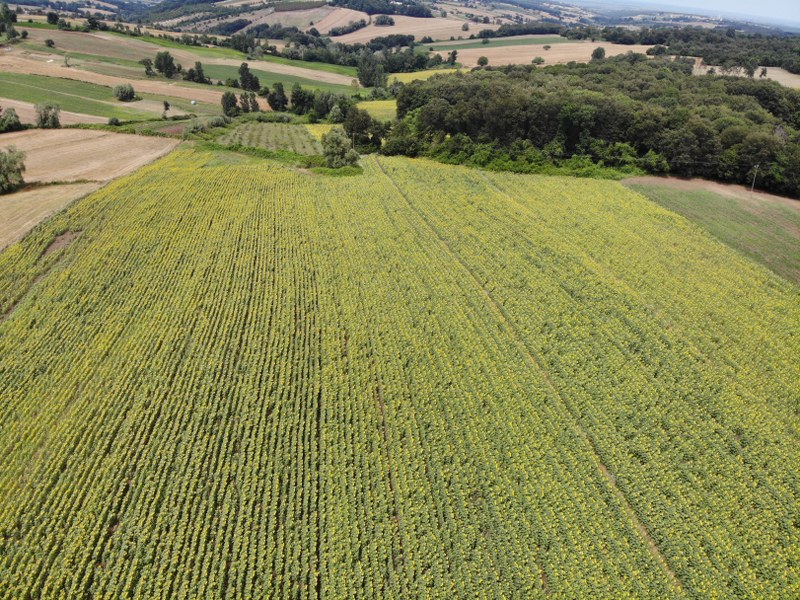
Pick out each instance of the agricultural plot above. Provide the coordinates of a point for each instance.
(273, 136)
(317, 130)
(766, 228)
(82, 154)
(81, 91)
(238, 380)
(385, 110)
(71, 95)
(22, 211)
(26, 111)
(521, 40)
(436, 28)
(420, 75)
(524, 54)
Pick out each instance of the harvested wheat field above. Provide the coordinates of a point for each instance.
(22, 211)
(558, 54)
(782, 76)
(81, 154)
(322, 18)
(27, 114)
(438, 29)
(337, 17)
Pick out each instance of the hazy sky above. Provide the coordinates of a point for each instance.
(775, 10)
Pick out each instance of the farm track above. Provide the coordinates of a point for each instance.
(508, 323)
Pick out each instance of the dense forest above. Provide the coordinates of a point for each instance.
(727, 47)
(386, 7)
(628, 112)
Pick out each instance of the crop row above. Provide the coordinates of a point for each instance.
(242, 381)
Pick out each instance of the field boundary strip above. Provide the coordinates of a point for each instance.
(504, 318)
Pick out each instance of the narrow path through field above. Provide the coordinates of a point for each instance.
(507, 322)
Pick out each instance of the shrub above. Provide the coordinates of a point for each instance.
(47, 115)
(12, 166)
(124, 92)
(196, 126)
(336, 149)
(114, 122)
(218, 121)
(9, 121)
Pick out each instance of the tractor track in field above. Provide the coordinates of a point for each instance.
(505, 319)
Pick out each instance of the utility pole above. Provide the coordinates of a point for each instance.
(755, 174)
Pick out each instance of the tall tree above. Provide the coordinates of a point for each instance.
(277, 97)
(247, 80)
(165, 64)
(229, 108)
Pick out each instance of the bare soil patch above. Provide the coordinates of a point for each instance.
(61, 241)
(27, 114)
(22, 211)
(558, 53)
(436, 28)
(81, 155)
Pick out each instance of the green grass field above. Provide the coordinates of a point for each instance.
(71, 95)
(767, 231)
(245, 380)
(90, 98)
(497, 42)
(267, 78)
(221, 52)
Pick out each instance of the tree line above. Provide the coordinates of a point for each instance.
(627, 112)
(725, 47)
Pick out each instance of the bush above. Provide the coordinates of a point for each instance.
(47, 115)
(114, 122)
(49, 43)
(124, 92)
(218, 121)
(9, 121)
(196, 126)
(336, 149)
(12, 166)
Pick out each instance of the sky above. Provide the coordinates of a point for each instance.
(777, 11)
